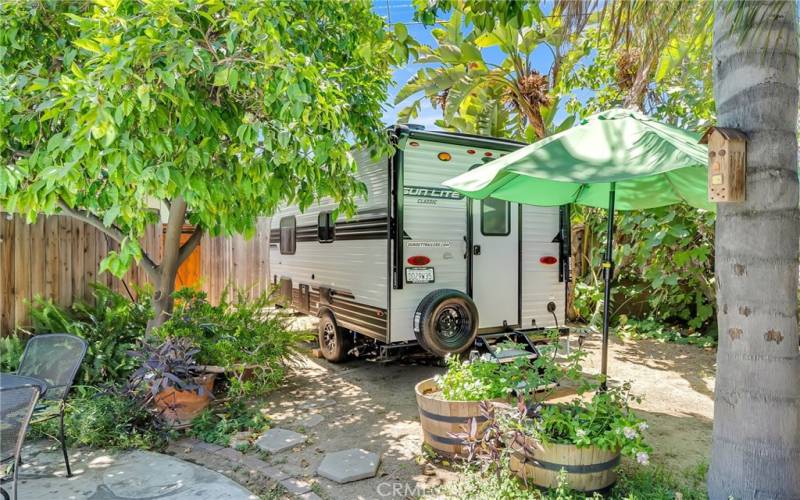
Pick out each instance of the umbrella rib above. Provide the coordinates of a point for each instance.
(675, 189)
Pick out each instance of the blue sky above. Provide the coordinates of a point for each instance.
(402, 11)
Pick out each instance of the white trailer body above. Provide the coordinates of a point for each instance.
(411, 237)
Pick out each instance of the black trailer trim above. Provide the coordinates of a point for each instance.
(362, 318)
(397, 220)
(360, 229)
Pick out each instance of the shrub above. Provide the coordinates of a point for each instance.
(111, 326)
(242, 333)
(11, 348)
(110, 419)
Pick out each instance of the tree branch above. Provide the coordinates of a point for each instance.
(112, 232)
(187, 248)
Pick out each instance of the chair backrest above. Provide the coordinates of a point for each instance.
(54, 358)
(16, 408)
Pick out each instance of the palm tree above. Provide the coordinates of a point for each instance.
(756, 445)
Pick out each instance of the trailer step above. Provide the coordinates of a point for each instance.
(490, 344)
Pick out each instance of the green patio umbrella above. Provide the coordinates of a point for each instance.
(619, 159)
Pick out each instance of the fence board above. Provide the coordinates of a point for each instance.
(6, 273)
(22, 267)
(58, 257)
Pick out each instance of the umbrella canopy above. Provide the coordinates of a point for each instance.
(651, 165)
(618, 159)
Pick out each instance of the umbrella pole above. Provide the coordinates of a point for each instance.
(608, 275)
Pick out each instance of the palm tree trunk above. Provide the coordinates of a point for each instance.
(756, 444)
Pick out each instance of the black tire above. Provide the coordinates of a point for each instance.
(446, 321)
(334, 342)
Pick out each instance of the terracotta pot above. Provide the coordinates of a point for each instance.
(179, 407)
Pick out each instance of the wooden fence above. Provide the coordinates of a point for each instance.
(58, 258)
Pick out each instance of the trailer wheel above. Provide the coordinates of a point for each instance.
(334, 342)
(446, 322)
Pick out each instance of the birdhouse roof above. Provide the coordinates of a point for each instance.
(730, 134)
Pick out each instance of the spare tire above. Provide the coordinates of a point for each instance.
(446, 321)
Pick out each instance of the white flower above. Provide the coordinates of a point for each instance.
(580, 433)
(643, 427)
(630, 433)
(643, 458)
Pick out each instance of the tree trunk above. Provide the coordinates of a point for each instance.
(168, 268)
(756, 444)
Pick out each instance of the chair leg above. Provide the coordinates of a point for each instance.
(16, 484)
(64, 443)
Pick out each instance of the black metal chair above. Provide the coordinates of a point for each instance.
(54, 358)
(16, 408)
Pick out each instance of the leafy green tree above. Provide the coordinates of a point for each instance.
(211, 112)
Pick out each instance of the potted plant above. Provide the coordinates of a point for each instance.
(584, 436)
(450, 403)
(173, 380)
(244, 338)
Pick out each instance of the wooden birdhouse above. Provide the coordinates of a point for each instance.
(727, 153)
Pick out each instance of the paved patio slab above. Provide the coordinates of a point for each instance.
(349, 465)
(101, 475)
(277, 440)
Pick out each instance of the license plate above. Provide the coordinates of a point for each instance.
(419, 275)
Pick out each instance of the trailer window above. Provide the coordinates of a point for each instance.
(326, 227)
(495, 219)
(288, 235)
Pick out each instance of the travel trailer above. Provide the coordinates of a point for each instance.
(419, 263)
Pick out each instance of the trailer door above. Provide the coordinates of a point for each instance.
(495, 266)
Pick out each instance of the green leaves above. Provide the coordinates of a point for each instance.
(89, 45)
(221, 77)
(111, 108)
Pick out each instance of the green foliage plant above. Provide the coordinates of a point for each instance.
(248, 337)
(214, 112)
(11, 349)
(664, 266)
(111, 324)
(484, 378)
(217, 425)
(110, 418)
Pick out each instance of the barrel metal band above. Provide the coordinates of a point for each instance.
(447, 440)
(574, 469)
(451, 420)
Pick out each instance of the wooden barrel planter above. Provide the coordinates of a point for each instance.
(588, 469)
(440, 419)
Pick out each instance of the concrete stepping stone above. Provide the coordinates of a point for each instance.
(277, 440)
(310, 421)
(349, 465)
(239, 439)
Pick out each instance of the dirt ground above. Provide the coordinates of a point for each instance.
(371, 405)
